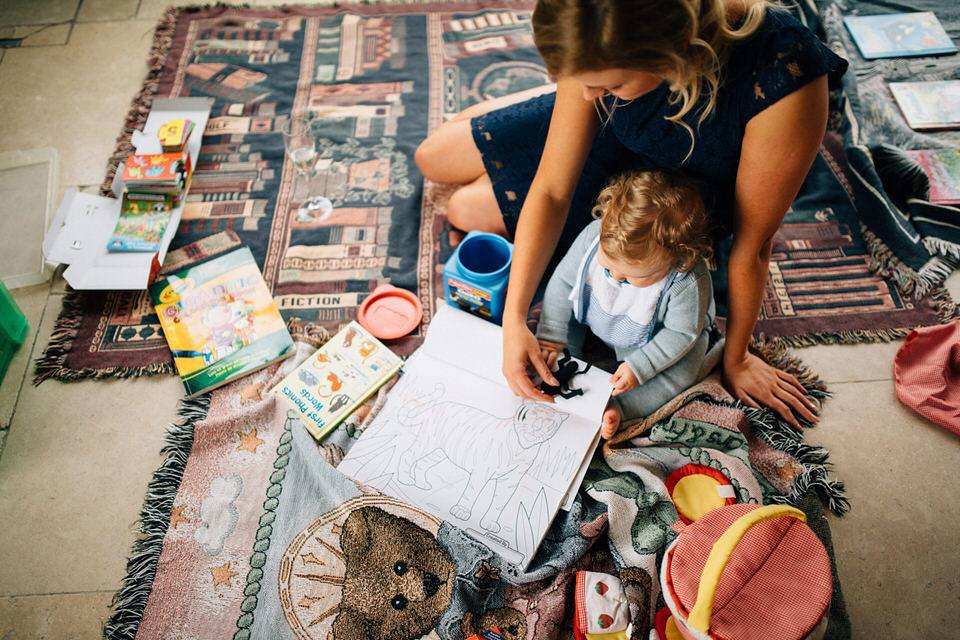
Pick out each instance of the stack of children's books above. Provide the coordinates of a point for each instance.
(175, 133)
(153, 184)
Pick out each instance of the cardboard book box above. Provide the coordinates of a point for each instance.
(84, 222)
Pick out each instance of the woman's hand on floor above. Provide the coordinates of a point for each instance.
(758, 384)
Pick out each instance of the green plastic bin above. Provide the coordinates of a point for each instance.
(13, 328)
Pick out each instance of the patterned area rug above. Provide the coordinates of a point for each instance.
(378, 78)
(249, 531)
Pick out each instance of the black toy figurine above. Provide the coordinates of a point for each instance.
(566, 369)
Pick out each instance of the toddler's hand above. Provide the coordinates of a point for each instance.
(624, 379)
(550, 351)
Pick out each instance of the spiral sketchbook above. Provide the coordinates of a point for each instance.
(453, 439)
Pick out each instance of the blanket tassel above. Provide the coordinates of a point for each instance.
(129, 603)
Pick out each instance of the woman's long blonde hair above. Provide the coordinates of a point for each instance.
(686, 42)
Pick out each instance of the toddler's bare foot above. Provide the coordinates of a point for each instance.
(611, 422)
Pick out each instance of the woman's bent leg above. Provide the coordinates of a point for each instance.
(449, 155)
(474, 207)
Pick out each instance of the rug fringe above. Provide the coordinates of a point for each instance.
(859, 336)
(814, 479)
(782, 436)
(942, 247)
(129, 603)
(884, 263)
(140, 107)
(50, 364)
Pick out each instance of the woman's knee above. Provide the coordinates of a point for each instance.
(449, 155)
(428, 158)
(474, 207)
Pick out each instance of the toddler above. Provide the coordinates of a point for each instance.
(637, 278)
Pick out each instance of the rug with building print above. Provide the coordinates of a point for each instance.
(250, 531)
(376, 79)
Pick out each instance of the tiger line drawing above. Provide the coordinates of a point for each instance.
(489, 448)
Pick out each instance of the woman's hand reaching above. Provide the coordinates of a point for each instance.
(521, 352)
(758, 384)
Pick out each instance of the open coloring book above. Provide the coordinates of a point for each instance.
(454, 440)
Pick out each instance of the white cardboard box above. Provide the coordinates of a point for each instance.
(84, 223)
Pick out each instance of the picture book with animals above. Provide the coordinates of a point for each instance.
(894, 35)
(453, 439)
(339, 376)
(143, 220)
(933, 104)
(163, 173)
(942, 166)
(219, 320)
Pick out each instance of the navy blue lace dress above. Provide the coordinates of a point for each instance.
(782, 56)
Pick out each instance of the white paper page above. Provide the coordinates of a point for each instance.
(578, 479)
(464, 340)
(463, 447)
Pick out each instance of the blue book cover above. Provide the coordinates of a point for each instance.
(895, 35)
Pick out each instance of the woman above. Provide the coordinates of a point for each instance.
(730, 93)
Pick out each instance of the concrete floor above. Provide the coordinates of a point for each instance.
(77, 457)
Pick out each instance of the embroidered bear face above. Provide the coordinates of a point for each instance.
(510, 622)
(398, 580)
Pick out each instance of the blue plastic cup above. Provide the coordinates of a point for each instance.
(484, 257)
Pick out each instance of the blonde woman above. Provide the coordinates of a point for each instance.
(731, 93)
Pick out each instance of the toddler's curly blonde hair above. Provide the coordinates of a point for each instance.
(643, 213)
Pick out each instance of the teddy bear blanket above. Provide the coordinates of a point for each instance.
(251, 531)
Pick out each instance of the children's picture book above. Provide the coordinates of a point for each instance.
(163, 173)
(143, 220)
(219, 320)
(933, 104)
(337, 378)
(942, 166)
(453, 439)
(894, 35)
(175, 133)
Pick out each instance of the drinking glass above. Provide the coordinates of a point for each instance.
(300, 144)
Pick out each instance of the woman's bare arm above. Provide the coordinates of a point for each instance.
(572, 129)
(779, 146)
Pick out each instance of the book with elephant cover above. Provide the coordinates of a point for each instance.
(454, 440)
(337, 378)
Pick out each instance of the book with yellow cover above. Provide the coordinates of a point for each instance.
(219, 320)
(330, 384)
